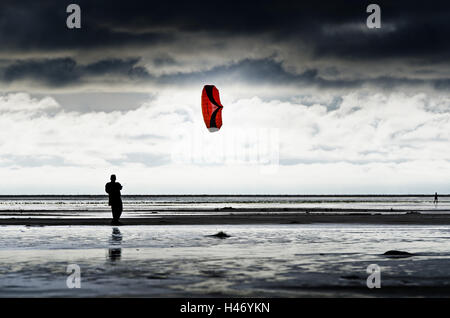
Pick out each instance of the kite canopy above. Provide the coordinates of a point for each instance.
(211, 108)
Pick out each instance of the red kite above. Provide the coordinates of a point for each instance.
(211, 108)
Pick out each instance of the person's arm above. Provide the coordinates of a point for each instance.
(120, 186)
(107, 188)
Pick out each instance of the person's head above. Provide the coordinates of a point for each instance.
(113, 178)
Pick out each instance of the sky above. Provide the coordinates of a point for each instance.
(315, 102)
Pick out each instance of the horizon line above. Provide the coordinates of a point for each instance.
(235, 195)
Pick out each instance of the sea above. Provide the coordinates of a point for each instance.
(96, 206)
(270, 260)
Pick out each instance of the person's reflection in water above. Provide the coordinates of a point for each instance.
(114, 253)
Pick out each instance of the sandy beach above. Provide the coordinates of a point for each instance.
(279, 246)
(260, 260)
(245, 217)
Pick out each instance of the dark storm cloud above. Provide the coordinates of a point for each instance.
(41, 25)
(266, 71)
(66, 71)
(412, 33)
(263, 71)
(116, 67)
(443, 84)
(54, 72)
(422, 27)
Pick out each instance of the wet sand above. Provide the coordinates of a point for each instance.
(244, 217)
(291, 260)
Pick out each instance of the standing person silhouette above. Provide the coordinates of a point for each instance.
(435, 198)
(115, 201)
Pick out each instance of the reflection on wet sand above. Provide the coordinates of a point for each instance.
(283, 260)
(114, 253)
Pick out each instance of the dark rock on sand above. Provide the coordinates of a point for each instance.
(221, 235)
(398, 253)
(350, 277)
(156, 277)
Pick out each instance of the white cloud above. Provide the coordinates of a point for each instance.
(370, 142)
(23, 102)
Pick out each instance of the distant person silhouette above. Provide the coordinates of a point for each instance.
(115, 201)
(435, 198)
